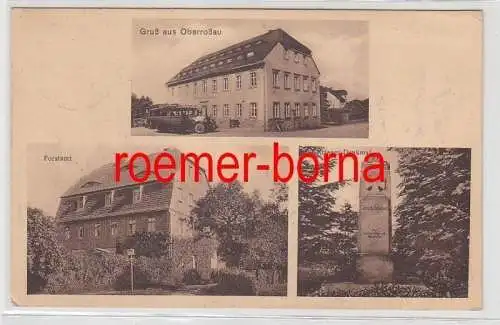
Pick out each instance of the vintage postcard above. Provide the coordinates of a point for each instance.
(251, 78)
(165, 158)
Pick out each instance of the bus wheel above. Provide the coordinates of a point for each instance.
(199, 128)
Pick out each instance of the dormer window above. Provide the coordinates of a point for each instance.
(81, 202)
(239, 57)
(296, 57)
(258, 42)
(229, 60)
(286, 54)
(137, 194)
(67, 233)
(212, 65)
(108, 198)
(248, 46)
(250, 54)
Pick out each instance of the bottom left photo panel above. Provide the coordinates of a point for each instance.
(154, 221)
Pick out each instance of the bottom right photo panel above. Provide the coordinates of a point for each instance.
(384, 222)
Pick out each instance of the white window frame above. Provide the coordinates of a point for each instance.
(97, 230)
(151, 224)
(253, 110)
(114, 229)
(239, 110)
(253, 79)
(286, 80)
(276, 110)
(110, 195)
(297, 109)
(226, 83)
(83, 200)
(276, 78)
(132, 227)
(214, 110)
(134, 191)
(305, 83)
(287, 110)
(238, 81)
(296, 82)
(214, 85)
(226, 110)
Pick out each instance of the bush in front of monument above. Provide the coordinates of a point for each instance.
(378, 290)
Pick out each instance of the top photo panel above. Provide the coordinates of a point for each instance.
(250, 78)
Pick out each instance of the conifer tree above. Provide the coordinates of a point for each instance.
(433, 216)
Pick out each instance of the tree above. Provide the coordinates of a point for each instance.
(139, 106)
(45, 255)
(229, 214)
(148, 244)
(316, 209)
(433, 216)
(344, 249)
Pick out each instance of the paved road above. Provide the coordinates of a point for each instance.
(354, 130)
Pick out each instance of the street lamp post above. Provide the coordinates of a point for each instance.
(131, 254)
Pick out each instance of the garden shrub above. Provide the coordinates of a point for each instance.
(86, 272)
(191, 276)
(141, 280)
(378, 290)
(232, 283)
(311, 279)
(277, 290)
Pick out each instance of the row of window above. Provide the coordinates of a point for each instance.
(299, 82)
(202, 65)
(109, 197)
(293, 111)
(238, 110)
(296, 56)
(114, 229)
(213, 64)
(252, 79)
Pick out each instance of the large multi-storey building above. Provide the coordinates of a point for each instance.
(98, 213)
(266, 80)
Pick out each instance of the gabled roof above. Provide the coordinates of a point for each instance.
(103, 178)
(237, 57)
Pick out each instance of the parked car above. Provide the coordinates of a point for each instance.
(179, 118)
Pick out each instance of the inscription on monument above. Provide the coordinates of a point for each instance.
(374, 241)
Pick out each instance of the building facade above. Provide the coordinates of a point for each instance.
(262, 82)
(99, 213)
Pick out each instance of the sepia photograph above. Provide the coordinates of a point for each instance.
(404, 234)
(250, 78)
(92, 229)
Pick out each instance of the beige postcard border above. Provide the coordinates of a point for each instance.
(22, 137)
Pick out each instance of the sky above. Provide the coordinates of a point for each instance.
(340, 50)
(49, 180)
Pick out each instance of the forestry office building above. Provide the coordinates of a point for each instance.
(266, 80)
(96, 213)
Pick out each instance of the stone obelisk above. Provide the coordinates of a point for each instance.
(374, 237)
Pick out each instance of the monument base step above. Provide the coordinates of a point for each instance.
(374, 269)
